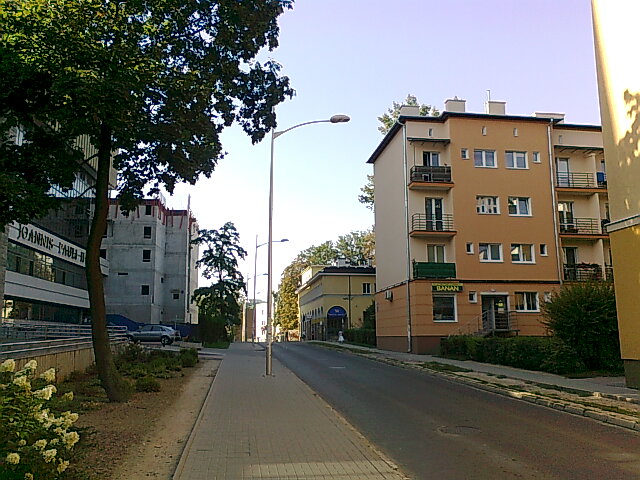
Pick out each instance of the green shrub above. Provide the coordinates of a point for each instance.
(147, 384)
(361, 336)
(35, 438)
(583, 316)
(188, 357)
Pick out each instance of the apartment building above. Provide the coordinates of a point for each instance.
(153, 263)
(479, 218)
(333, 298)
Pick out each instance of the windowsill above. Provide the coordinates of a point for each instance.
(491, 261)
(517, 168)
(523, 263)
(520, 215)
(445, 321)
(528, 311)
(485, 166)
(487, 213)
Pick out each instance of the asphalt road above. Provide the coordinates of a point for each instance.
(434, 428)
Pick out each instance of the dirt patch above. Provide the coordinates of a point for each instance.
(144, 437)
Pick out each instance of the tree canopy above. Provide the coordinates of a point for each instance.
(151, 84)
(367, 197)
(389, 118)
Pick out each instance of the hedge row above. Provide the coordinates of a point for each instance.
(546, 354)
(362, 336)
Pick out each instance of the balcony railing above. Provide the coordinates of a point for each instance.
(432, 223)
(601, 177)
(439, 174)
(583, 272)
(581, 226)
(575, 180)
(434, 270)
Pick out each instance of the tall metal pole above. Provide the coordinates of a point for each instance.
(255, 274)
(270, 264)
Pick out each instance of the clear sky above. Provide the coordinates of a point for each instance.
(358, 56)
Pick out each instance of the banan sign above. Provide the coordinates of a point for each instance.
(446, 287)
(37, 238)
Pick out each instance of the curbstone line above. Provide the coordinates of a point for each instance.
(622, 422)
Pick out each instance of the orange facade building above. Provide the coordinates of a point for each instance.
(480, 218)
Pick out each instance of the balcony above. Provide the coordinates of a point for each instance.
(582, 227)
(582, 272)
(434, 270)
(584, 181)
(430, 177)
(432, 225)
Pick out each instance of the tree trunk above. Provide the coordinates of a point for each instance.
(115, 386)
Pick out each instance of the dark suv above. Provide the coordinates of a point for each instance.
(154, 333)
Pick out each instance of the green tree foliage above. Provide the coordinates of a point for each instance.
(367, 193)
(156, 82)
(220, 303)
(356, 247)
(389, 118)
(583, 316)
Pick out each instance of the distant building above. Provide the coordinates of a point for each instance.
(333, 298)
(153, 263)
(479, 217)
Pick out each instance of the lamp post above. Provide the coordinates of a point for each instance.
(274, 135)
(255, 276)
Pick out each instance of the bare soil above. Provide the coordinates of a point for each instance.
(144, 437)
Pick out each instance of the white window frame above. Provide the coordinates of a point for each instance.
(436, 250)
(515, 132)
(521, 247)
(366, 288)
(431, 153)
(490, 249)
(526, 304)
(484, 205)
(473, 297)
(470, 247)
(536, 157)
(483, 158)
(511, 158)
(543, 250)
(455, 307)
(464, 153)
(516, 205)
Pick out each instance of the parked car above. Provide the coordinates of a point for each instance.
(154, 333)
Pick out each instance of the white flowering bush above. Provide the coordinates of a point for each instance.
(35, 440)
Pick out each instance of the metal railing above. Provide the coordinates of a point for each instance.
(498, 322)
(575, 180)
(432, 223)
(425, 173)
(582, 272)
(581, 226)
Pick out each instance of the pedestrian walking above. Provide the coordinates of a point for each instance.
(340, 337)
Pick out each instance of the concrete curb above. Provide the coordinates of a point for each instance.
(623, 421)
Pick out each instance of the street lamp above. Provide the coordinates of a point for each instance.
(274, 135)
(255, 269)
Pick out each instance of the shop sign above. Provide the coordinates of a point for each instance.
(34, 237)
(446, 287)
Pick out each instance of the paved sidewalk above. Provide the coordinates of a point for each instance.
(257, 427)
(612, 386)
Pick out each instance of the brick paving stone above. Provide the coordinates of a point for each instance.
(256, 427)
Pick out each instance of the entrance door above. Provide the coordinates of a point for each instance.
(430, 159)
(495, 315)
(565, 213)
(562, 172)
(570, 255)
(433, 208)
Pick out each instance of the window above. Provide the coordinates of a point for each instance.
(536, 157)
(490, 252)
(444, 308)
(144, 289)
(176, 296)
(435, 253)
(527, 302)
(484, 158)
(543, 250)
(431, 159)
(147, 209)
(473, 297)
(366, 288)
(522, 253)
(487, 205)
(516, 159)
(146, 255)
(430, 132)
(103, 253)
(469, 247)
(147, 232)
(464, 153)
(123, 273)
(520, 206)
(484, 130)
(515, 132)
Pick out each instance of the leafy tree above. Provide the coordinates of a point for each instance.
(583, 316)
(367, 193)
(389, 118)
(151, 84)
(357, 247)
(221, 301)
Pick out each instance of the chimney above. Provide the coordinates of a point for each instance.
(495, 107)
(454, 104)
(410, 110)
